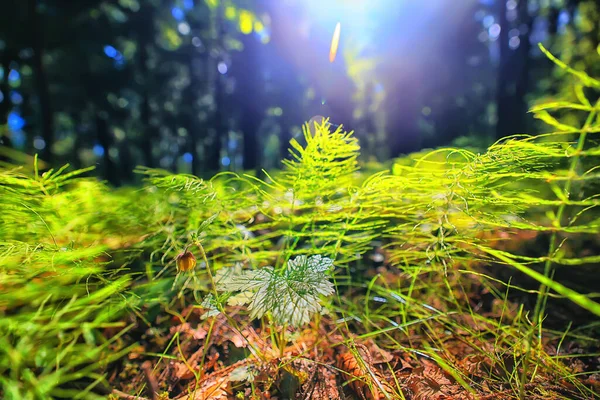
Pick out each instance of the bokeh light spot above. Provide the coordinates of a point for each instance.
(246, 22)
(110, 51)
(264, 36)
(188, 158)
(225, 161)
(98, 150)
(122, 102)
(230, 12)
(14, 75)
(15, 121)
(514, 42)
(39, 143)
(184, 28)
(488, 21)
(196, 42)
(177, 13)
(494, 31)
(16, 98)
(119, 134)
(222, 68)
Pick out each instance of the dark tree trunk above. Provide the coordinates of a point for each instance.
(250, 123)
(212, 151)
(214, 142)
(524, 49)
(78, 118)
(251, 102)
(148, 131)
(146, 38)
(125, 157)
(403, 109)
(190, 120)
(503, 98)
(37, 36)
(513, 73)
(192, 147)
(105, 140)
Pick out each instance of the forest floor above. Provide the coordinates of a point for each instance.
(476, 350)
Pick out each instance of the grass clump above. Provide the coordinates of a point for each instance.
(61, 291)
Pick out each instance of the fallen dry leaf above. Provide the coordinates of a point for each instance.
(365, 380)
(198, 333)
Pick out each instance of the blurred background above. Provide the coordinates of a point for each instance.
(201, 86)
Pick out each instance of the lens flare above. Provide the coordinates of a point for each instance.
(335, 42)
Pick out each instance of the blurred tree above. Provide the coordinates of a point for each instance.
(13, 40)
(144, 28)
(37, 35)
(250, 98)
(574, 37)
(514, 68)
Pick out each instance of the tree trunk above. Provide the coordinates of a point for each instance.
(250, 123)
(212, 151)
(146, 38)
(37, 36)
(503, 98)
(513, 76)
(214, 144)
(251, 101)
(189, 119)
(522, 84)
(105, 140)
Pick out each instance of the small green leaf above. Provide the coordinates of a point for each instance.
(240, 299)
(550, 120)
(210, 304)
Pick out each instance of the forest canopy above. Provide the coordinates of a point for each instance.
(201, 86)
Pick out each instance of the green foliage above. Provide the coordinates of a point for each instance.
(59, 287)
(575, 75)
(315, 206)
